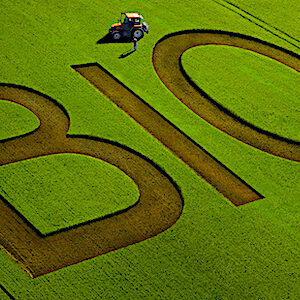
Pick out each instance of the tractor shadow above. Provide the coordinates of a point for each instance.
(108, 39)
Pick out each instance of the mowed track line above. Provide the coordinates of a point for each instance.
(159, 206)
(204, 164)
(167, 56)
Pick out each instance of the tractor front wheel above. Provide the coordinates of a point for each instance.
(116, 35)
(138, 34)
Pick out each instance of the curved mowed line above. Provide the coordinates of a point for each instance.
(258, 89)
(167, 62)
(159, 206)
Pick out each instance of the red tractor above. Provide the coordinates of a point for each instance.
(130, 26)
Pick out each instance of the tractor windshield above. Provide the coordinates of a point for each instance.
(131, 18)
(136, 21)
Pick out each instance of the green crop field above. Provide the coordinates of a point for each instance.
(215, 250)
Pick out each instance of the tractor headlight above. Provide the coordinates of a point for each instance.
(145, 27)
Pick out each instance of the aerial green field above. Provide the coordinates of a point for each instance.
(215, 250)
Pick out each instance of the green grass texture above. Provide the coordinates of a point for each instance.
(215, 250)
(15, 120)
(280, 14)
(62, 190)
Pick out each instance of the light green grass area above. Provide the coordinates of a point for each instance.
(15, 120)
(256, 88)
(215, 250)
(281, 14)
(63, 190)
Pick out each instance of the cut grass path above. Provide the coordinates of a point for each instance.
(165, 59)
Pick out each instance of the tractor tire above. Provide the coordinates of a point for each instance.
(138, 34)
(116, 35)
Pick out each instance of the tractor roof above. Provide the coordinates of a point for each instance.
(133, 15)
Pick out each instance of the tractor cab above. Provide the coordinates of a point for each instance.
(130, 25)
(131, 18)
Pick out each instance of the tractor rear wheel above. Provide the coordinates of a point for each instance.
(116, 35)
(138, 34)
